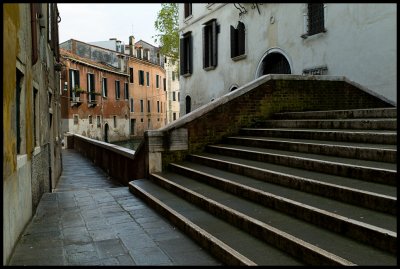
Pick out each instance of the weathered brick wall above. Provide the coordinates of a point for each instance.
(275, 95)
(40, 175)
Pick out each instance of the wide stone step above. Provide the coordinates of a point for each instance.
(360, 124)
(362, 193)
(340, 114)
(297, 206)
(373, 152)
(381, 172)
(356, 136)
(229, 244)
(298, 238)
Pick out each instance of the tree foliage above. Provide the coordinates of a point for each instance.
(167, 26)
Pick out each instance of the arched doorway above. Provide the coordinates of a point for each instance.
(274, 61)
(188, 104)
(106, 132)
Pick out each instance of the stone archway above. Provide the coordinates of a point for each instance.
(273, 61)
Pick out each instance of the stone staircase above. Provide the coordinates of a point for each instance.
(303, 188)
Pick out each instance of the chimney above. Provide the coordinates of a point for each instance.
(131, 45)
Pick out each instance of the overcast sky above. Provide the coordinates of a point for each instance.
(100, 22)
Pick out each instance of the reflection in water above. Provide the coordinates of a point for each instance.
(130, 144)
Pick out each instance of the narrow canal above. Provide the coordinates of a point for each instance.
(130, 144)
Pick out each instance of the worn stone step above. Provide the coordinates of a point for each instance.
(373, 152)
(251, 189)
(298, 238)
(340, 114)
(362, 193)
(229, 244)
(381, 172)
(360, 124)
(356, 136)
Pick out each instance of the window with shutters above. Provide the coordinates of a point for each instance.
(315, 19)
(187, 9)
(132, 107)
(158, 106)
(148, 79)
(173, 96)
(210, 44)
(130, 75)
(157, 81)
(238, 41)
(165, 84)
(73, 82)
(186, 54)
(148, 106)
(141, 77)
(90, 119)
(91, 88)
(141, 106)
(35, 17)
(104, 87)
(98, 121)
(126, 91)
(117, 90)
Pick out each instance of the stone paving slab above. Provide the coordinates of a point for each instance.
(105, 225)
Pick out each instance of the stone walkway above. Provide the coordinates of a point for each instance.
(91, 220)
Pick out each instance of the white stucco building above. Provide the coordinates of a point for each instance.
(224, 46)
(173, 93)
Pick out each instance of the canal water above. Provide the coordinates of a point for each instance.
(130, 144)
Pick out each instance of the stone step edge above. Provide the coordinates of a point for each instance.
(296, 247)
(315, 147)
(313, 186)
(371, 174)
(342, 112)
(212, 244)
(357, 230)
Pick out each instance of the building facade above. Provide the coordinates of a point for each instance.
(32, 161)
(225, 46)
(94, 100)
(141, 103)
(173, 93)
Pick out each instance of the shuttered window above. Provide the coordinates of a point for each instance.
(130, 75)
(238, 40)
(104, 87)
(210, 44)
(35, 14)
(91, 87)
(117, 90)
(126, 91)
(315, 19)
(188, 9)
(141, 77)
(73, 82)
(186, 54)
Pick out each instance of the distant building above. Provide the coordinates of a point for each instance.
(147, 85)
(101, 110)
(31, 113)
(173, 93)
(142, 102)
(224, 46)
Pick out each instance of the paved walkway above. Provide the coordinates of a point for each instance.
(91, 220)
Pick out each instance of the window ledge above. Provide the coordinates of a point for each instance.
(185, 20)
(209, 68)
(240, 57)
(21, 160)
(186, 75)
(306, 35)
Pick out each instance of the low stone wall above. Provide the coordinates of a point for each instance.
(253, 102)
(122, 164)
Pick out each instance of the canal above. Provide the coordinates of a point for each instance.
(130, 144)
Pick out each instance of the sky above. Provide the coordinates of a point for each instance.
(100, 22)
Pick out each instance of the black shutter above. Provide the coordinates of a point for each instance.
(234, 46)
(182, 55)
(214, 40)
(34, 11)
(205, 48)
(71, 87)
(190, 54)
(241, 38)
(77, 82)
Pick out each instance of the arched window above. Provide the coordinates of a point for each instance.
(275, 63)
(188, 104)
